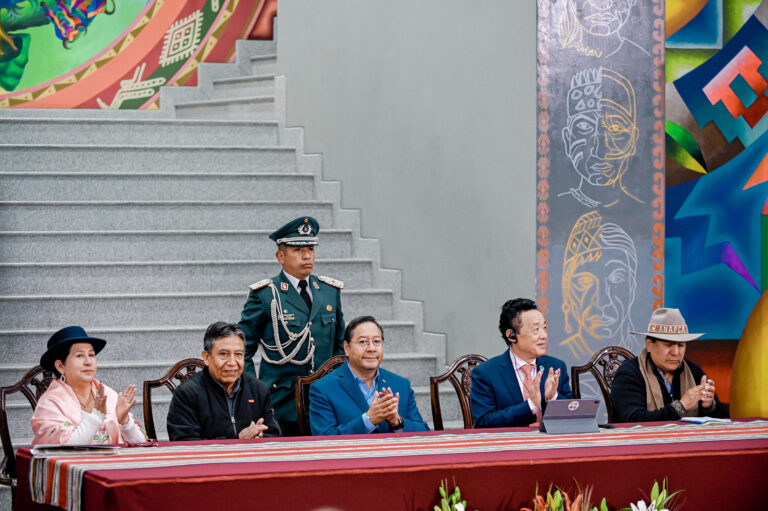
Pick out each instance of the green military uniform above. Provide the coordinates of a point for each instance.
(307, 338)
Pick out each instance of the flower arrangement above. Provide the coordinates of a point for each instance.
(559, 500)
(450, 502)
(658, 500)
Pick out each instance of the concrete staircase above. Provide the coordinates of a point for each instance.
(144, 227)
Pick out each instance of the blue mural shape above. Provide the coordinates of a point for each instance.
(713, 245)
(705, 31)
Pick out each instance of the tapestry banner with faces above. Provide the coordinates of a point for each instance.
(600, 165)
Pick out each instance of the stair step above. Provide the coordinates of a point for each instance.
(153, 186)
(166, 342)
(100, 310)
(113, 215)
(17, 130)
(128, 158)
(155, 277)
(246, 107)
(244, 86)
(145, 245)
(264, 64)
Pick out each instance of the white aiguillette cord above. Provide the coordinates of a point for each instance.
(276, 308)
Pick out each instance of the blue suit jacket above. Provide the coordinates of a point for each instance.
(496, 397)
(336, 404)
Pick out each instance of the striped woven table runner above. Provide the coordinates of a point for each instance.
(58, 480)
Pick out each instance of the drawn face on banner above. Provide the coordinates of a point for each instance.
(599, 284)
(601, 17)
(601, 132)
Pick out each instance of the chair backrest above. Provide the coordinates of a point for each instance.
(32, 385)
(463, 365)
(603, 366)
(302, 391)
(181, 372)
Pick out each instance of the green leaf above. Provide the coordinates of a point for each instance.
(603, 505)
(655, 491)
(437, 508)
(442, 491)
(558, 500)
(445, 506)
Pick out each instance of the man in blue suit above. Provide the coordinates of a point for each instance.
(507, 390)
(360, 397)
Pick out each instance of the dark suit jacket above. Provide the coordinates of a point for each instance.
(336, 404)
(327, 329)
(496, 398)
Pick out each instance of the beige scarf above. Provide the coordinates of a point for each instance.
(654, 399)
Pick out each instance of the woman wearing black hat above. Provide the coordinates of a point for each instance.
(77, 408)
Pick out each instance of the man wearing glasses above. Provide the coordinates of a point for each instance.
(360, 397)
(509, 390)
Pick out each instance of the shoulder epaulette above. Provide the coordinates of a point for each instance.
(331, 282)
(258, 285)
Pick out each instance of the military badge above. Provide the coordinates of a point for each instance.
(305, 229)
(316, 286)
(284, 286)
(329, 307)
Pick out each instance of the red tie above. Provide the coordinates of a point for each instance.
(528, 370)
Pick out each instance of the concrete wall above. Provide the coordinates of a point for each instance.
(426, 112)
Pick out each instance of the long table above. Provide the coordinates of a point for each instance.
(722, 466)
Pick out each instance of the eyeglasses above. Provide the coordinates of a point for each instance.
(537, 331)
(376, 343)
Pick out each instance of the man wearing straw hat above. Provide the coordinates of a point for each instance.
(660, 384)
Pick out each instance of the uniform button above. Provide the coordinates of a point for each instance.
(274, 385)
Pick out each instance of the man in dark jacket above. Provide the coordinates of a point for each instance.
(511, 389)
(660, 385)
(220, 401)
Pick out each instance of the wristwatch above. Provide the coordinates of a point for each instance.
(400, 424)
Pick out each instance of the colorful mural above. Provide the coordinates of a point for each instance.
(116, 53)
(600, 209)
(716, 247)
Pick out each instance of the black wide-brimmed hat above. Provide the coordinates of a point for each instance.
(64, 338)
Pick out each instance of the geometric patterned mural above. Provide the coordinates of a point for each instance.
(716, 244)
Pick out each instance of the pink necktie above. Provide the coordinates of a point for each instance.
(528, 370)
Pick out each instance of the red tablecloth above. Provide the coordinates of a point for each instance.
(719, 467)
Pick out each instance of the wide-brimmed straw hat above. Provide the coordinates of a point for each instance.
(668, 325)
(64, 338)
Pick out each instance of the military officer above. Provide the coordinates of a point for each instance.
(295, 317)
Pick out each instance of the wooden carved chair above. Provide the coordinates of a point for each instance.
(181, 372)
(32, 385)
(603, 366)
(302, 391)
(463, 365)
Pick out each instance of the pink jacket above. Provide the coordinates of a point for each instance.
(58, 414)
